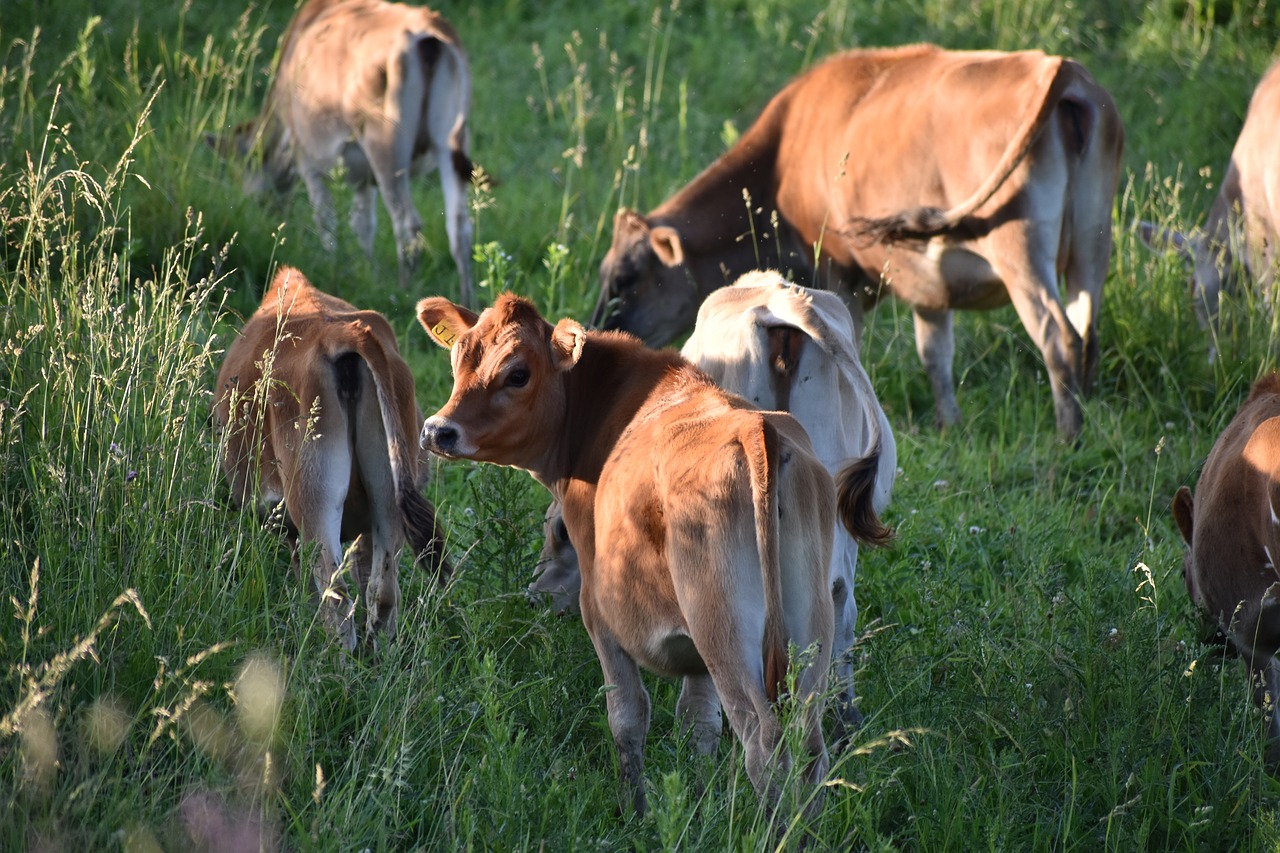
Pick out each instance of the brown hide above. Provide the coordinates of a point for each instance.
(1233, 531)
(672, 491)
(316, 409)
(950, 179)
(384, 90)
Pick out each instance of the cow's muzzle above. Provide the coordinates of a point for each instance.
(440, 436)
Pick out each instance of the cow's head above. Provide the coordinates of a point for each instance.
(256, 148)
(557, 580)
(646, 286)
(1210, 262)
(508, 400)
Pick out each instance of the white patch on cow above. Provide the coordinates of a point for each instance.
(1274, 519)
(1079, 311)
(1271, 563)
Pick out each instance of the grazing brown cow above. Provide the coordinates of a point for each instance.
(383, 89)
(786, 348)
(703, 525)
(317, 410)
(1244, 221)
(1233, 530)
(953, 180)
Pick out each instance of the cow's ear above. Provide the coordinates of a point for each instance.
(627, 220)
(667, 246)
(444, 321)
(1183, 512)
(567, 339)
(1164, 239)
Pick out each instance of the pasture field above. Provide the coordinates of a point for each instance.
(1033, 675)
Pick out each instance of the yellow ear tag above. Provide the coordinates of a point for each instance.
(443, 334)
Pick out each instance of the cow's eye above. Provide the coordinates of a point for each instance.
(518, 378)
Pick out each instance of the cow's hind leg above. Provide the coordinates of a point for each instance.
(848, 717)
(628, 707)
(936, 346)
(382, 595)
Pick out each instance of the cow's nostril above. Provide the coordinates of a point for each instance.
(439, 436)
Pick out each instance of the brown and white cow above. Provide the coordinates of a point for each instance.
(1244, 221)
(316, 409)
(383, 89)
(703, 525)
(1233, 532)
(787, 348)
(950, 179)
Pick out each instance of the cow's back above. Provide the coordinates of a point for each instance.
(678, 482)
(340, 57)
(864, 133)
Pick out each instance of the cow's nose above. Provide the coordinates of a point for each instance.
(439, 435)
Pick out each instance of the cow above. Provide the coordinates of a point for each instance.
(1232, 530)
(384, 90)
(782, 347)
(949, 179)
(1244, 220)
(703, 525)
(316, 409)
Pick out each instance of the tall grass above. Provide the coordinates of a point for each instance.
(1033, 674)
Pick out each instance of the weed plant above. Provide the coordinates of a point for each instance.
(1033, 675)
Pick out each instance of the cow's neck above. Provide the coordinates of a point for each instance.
(614, 377)
(717, 212)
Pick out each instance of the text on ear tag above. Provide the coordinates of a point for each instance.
(443, 334)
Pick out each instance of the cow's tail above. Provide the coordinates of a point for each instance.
(863, 486)
(855, 500)
(432, 50)
(761, 448)
(422, 529)
(924, 222)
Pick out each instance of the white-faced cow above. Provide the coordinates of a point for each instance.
(1233, 533)
(383, 89)
(703, 525)
(787, 348)
(1244, 221)
(952, 180)
(316, 409)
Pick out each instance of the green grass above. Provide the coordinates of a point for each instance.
(1032, 671)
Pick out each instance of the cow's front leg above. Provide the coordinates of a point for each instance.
(936, 346)
(364, 216)
(628, 706)
(1266, 693)
(698, 713)
(322, 208)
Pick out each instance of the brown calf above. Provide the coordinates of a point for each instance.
(703, 525)
(1233, 530)
(949, 179)
(785, 348)
(316, 409)
(383, 89)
